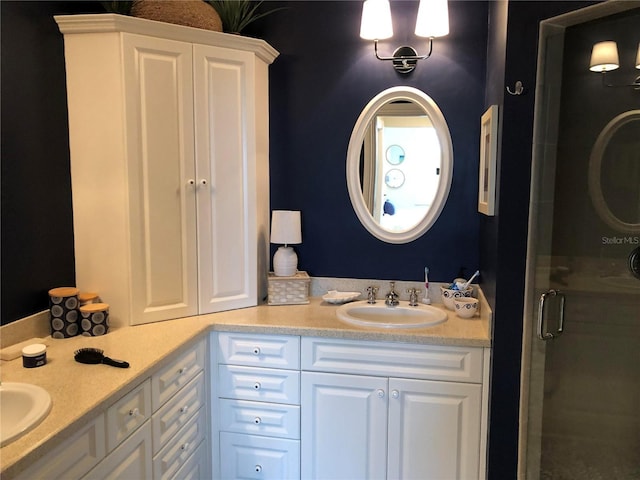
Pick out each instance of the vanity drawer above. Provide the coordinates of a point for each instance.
(177, 411)
(277, 351)
(404, 360)
(176, 453)
(175, 375)
(261, 384)
(260, 418)
(127, 414)
(264, 458)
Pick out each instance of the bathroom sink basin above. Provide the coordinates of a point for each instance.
(22, 407)
(381, 316)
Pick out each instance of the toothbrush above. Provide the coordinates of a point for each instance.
(426, 298)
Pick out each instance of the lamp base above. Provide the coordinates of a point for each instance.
(285, 262)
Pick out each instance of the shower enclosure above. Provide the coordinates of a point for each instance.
(580, 392)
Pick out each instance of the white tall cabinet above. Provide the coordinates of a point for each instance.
(168, 130)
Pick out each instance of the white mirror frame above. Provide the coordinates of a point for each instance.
(353, 163)
(595, 167)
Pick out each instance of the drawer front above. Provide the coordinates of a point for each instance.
(176, 412)
(430, 362)
(127, 414)
(264, 458)
(177, 373)
(275, 351)
(196, 467)
(176, 453)
(74, 457)
(260, 418)
(261, 384)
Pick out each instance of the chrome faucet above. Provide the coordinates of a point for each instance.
(371, 294)
(391, 299)
(413, 296)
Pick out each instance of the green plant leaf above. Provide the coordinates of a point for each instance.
(118, 6)
(237, 14)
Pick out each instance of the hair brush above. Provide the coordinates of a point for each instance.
(95, 355)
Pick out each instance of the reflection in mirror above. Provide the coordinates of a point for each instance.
(614, 173)
(399, 164)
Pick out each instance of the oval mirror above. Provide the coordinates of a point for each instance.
(399, 164)
(614, 173)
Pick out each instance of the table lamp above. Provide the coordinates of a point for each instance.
(286, 230)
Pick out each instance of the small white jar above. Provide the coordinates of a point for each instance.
(34, 355)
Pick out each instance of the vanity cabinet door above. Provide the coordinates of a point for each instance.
(344, 426)
(434, 430)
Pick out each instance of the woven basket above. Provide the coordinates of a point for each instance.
(190, 13)
(292, 290)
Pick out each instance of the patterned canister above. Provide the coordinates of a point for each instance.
(94, 319)
(88, 297)
(63, 312)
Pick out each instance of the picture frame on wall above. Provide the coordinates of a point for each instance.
(488, 157)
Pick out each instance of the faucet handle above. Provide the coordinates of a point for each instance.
(371, 294)
(413, 296)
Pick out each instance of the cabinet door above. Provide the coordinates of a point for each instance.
(159, 118)
(434, 430)
(226, 178)
(132, 459)
(344, 426)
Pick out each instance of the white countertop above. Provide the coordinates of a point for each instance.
(80, 392)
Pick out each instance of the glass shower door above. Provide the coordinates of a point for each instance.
(581, 349)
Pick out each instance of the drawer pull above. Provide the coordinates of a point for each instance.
(184, 409)
(184, 446)
(134, 412)
(182, 370)
(258, 468)
(257, 420)
(256, 350)
(256, 386)
(381, 393)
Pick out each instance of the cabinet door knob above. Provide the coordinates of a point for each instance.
(258, 468)
(184, 409)
(191, 181)
(182, 370)
(395, 394)
(184, 446)
(203, 181)
(257, 420)
(256, 386)
(134, 412)
(256, 350)
(380, 393)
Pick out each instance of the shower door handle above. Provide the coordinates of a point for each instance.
(542, 334)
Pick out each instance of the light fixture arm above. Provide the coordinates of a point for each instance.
(635, 85)
(404, 58)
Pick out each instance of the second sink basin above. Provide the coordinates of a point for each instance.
(381, 316)
(22, 407)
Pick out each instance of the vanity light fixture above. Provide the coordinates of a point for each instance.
(432, 21)
(604, 58)
(285, 230)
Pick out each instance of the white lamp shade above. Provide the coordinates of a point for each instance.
(433, 18)
(604, 57)
(638, 58)
(285, 227)
(376, 20)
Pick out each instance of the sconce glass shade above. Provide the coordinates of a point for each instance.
(604, 57)
(285, 229)
(638, 58)
(433, 18)
(376, 20)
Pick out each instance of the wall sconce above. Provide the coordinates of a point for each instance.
(432, 21)
(604, 58)
(286, 230)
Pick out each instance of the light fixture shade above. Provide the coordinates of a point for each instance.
(285, 227)
(433, 18)
(604, 57)
(638, 58)
(376, 20)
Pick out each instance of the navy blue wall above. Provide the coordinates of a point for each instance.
(323, 78)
